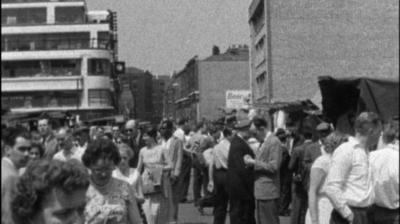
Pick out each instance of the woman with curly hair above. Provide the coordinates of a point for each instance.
(108, 199)
(50, 192)
(319, 205)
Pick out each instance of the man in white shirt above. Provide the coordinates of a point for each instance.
(385, 168)
(349, 184)
(218, 177)
(67, 150)
(17, 145)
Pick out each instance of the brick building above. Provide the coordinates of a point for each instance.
(200, 88)
(293, 42)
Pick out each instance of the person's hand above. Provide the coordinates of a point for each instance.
(210, 186)
(350, 218)
(248, 160)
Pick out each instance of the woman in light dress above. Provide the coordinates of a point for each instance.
(153, 162)
(320, 207)
(130, 175)
(108, 199)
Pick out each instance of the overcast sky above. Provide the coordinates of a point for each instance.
(162, 35)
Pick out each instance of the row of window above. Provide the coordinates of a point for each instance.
(35, 16)
(43, 68)
(97, 97)
(57, 41)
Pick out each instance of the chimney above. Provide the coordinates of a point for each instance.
(215, 50)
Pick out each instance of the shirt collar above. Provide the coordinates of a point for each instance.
(10, 162)
(269, 133)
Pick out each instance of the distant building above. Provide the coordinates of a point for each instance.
(159, 92)
(140, 103)
(200, 88)
(294, 42)
(57, 56)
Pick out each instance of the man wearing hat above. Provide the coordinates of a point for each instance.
(314, 151)
(241, 177)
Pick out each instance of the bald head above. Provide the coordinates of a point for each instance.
(131, 128)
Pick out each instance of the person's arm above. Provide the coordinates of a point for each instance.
(133, 211)
(270, 164)
(178, 165)
(210, 186)
(341, 165)
(139, 190)
(316, 179)
(140, 161)
(6, 196)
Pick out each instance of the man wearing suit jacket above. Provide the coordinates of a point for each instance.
(17, 146)
(174, 154)
(266, 168)
(240, 177)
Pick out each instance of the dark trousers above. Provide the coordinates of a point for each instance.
(285, 196)
(380, 215)
(185, 176)
(241, 211)
(200, 180)
(299, 207)
(221, 196)
(360, 216)
(267, 211)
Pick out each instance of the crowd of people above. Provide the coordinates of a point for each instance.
(237, 165)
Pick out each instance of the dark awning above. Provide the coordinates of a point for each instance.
(355, 95)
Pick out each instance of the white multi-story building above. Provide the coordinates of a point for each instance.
(56, 56)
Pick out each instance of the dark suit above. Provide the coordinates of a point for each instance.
(286, 182)
(136, 144)
(267, 184)
(300, 199)
(241, 183)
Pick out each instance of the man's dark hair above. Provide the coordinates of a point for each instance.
(260, 122)
(227, 132)
(365, 122)
(12, 133)
(168, 124)
(199, 126)
(181, 121)
(390, 131)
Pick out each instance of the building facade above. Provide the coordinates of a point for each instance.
(57, 55)
(140, 84)
(199, 90)
(159, 91)
(294, 42)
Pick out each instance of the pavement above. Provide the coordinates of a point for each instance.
(188, 214)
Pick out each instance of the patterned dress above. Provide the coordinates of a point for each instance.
(108, 204)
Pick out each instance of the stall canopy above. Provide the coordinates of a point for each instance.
(343, 99)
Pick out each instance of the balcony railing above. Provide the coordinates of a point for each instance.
(55, 44)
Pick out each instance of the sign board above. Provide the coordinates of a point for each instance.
(236, 99)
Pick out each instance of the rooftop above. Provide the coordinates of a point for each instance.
(233, 53)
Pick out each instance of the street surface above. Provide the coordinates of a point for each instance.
(188, 214)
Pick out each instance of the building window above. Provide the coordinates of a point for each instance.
(70, 14)
(103, 40)
(23, 16)
(40, 68)
(99, 97)
(41, 99)
(99, 67)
